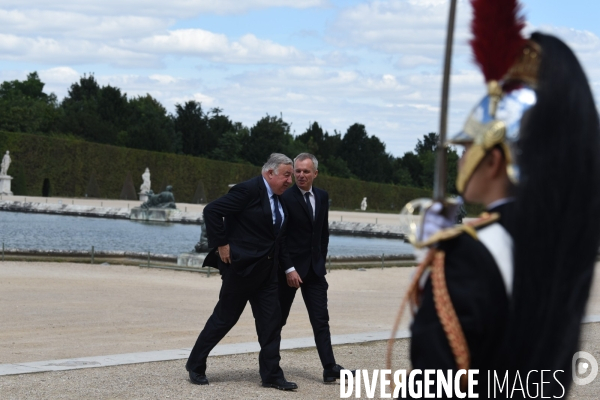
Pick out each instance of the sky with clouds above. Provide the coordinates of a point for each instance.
(331, 61)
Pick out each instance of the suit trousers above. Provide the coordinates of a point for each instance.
(260, 289)
(314, 292)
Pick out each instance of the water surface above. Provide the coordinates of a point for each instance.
(59, 232)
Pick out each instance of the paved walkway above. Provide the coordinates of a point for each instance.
(183, 354)
(81, 316)
(56, 311)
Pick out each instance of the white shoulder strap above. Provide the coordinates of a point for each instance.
(500, 244)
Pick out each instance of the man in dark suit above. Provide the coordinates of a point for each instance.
(245, 227)
(307, 239)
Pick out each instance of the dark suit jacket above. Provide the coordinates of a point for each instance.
(306, 241)
(243, 219)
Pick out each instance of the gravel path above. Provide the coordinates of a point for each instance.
(231, 377)
(50, 311)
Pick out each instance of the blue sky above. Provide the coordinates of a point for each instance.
(331, 61)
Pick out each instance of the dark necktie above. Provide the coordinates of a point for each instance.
(310, 209)
(278, 218)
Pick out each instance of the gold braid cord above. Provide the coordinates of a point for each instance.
(447, 315)
(412, 296)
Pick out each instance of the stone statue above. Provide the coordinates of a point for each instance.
(363, 204)
(146, 184)
(162, 200)
(202, 245)
(5, 164)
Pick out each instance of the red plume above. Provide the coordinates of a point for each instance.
(497, 39)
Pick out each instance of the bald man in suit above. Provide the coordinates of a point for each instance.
(245, 229)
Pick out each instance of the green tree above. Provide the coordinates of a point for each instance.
(94, 113)
(412, 164)
(191, 123)
(269, 135)
(331, 145)
(420, 166)
(336, 166)
(428, 160)
(230, 144)
(366, 156)
(151, 127)
(326, 148)
(24, 107)
(219, 124)
(113, 107)
(401, 175)
(32, 88)
(313, 139)
(428, 145)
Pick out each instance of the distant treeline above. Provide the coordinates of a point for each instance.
(105, 115)
(52, 166)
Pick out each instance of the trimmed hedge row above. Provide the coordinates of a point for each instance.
(348, 194)
(68, 164)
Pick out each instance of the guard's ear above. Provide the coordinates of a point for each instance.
(496, 162)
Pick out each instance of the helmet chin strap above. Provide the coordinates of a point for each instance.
(472, 158)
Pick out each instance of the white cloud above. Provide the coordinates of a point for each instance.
(163, 79)
(398, 109)
(410, 61)
(50, 51)
(206, 101)
(149, 52)
(582, 42)
(400, 27)
(61, 75)
(66, 24)
(161, 87)
(217, 47)
(338, 59)
(174, 8)
(131, 33)
(413, 34)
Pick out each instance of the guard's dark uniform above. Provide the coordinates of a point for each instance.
(478, 295)
(539, 112)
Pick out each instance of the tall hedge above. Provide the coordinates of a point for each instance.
(69, 164)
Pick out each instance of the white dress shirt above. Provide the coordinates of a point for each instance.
(272, 202)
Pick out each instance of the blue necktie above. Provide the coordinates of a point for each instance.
(278, 218)
(310, 209)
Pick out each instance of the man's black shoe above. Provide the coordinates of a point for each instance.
(281, 384)
(331, 374)
(198, 379)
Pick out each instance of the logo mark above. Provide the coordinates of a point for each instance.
(582, 363)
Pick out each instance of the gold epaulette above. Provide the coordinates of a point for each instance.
(469, 228)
